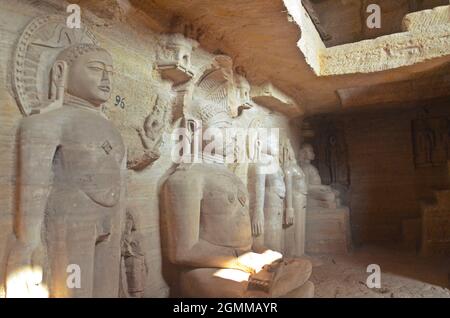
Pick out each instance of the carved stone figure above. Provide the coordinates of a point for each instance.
(134, 260)
(71, 183)
(296, 192)
(332, 155)
(207, 226)
(243, 89)
(268, 214)
(430, 137)
(151, 135)
(318, 194)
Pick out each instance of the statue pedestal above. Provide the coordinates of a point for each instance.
(328, 230)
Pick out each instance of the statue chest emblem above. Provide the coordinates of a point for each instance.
(106, 146)
(242, 197)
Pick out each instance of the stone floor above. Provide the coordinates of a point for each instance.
(403, 274)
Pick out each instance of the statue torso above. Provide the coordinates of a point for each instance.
(311, 174)
(275, 185)
(89, 155)
(224, 215)
(299, 185)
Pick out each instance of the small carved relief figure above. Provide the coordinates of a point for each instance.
(430, 141)
(318, 194)
(151, 135)
(135, 265)
(71, 183)
(243, 94)
(332, 158)
(331, 155)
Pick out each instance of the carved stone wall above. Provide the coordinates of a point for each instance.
(139, 87)
(386, 186)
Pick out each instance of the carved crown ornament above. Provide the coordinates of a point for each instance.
(220, 89)
(38, 46)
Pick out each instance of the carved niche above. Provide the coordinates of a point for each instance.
(430, 138)
(332, 156)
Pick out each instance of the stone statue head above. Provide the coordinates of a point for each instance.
(306, 153)
(84, 71)
(288, 152)
(215, 120)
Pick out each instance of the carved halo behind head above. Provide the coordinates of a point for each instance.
(41, 41)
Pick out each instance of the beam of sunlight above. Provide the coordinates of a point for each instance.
(249, 259)
(232, 274)
(26, 283)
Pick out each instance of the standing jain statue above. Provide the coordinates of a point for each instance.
(207, 232)
(319, 195)
(268, 210)
(71, 185)
(296, 193)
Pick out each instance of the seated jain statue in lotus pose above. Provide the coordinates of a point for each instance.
(319, 195)
(207, 230)
(71, 185)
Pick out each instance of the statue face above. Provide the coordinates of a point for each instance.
(219, 124)
(90, 77)
(309, 153)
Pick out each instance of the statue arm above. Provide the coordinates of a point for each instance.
(289, 215)
(37, 143)
(182, 202)
(257, 191)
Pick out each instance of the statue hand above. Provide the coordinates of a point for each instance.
(258, 225)
(289, 217)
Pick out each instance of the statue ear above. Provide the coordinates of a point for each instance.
(59, 79)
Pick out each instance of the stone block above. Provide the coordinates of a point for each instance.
(328, 231)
